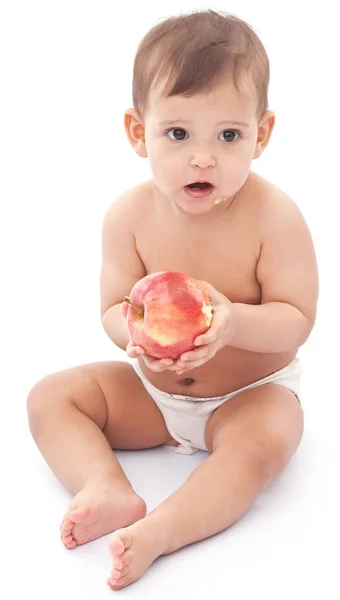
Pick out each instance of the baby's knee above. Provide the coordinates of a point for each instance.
(39, 403)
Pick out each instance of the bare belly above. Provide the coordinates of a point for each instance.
(230, 370)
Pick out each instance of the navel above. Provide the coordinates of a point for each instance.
(187, 381)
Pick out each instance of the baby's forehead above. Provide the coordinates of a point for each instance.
(223, 98)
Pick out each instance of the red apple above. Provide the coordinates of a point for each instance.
(167, 311)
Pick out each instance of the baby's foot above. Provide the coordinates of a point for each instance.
(133, 550)
(99, 508)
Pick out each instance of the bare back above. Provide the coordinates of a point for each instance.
(224, 250)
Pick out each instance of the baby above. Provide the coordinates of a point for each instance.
(201, 116)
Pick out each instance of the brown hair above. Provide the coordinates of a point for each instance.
(195, 52)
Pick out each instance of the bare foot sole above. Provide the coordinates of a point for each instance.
(133, 550)
(98, 509)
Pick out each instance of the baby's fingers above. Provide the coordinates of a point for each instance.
(183, 367)
(134, 351)
(155, 364)
(214, 332)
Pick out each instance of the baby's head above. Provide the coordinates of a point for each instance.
(200, 113)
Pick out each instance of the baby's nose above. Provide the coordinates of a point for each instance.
(203, 161)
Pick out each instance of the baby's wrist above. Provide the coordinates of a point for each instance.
(236, 321)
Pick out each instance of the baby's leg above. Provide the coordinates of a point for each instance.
(76, 417)
(252, 437)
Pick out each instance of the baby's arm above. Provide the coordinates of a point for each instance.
(121, 268)
(288, 275)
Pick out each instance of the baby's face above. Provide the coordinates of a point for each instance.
(203, 138)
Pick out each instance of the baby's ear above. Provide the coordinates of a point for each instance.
(135, 131)
(265, 130)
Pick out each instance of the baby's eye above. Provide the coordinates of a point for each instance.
(177, 133)
(229, 135)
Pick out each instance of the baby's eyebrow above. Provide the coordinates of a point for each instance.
(238, 123)
(182, 121)
(173, 122)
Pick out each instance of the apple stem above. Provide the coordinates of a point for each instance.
(139, 310)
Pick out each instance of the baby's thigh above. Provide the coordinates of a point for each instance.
(110, 394)
(266, 420)
(134, 421)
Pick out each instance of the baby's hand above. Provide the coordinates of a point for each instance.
(222, 330)
(154, 364)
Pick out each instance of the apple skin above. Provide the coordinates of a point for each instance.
(167, 311)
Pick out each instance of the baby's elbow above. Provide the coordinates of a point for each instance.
(306, 328)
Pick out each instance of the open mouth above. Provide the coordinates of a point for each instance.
(200, 185)
(199, 189)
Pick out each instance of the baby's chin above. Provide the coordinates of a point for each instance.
(189, 208)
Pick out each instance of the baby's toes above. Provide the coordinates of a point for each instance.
(118, 574)
(67, 539)
(66, 533)
(66, 525)
(122, 561)
(116, 584)
(119, 541)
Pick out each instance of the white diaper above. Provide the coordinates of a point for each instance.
(186, 416)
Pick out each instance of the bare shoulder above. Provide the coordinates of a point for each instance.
(128, 208)
(274, 209)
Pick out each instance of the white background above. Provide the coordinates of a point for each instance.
(65, 79)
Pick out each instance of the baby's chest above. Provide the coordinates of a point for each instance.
(228, 262)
